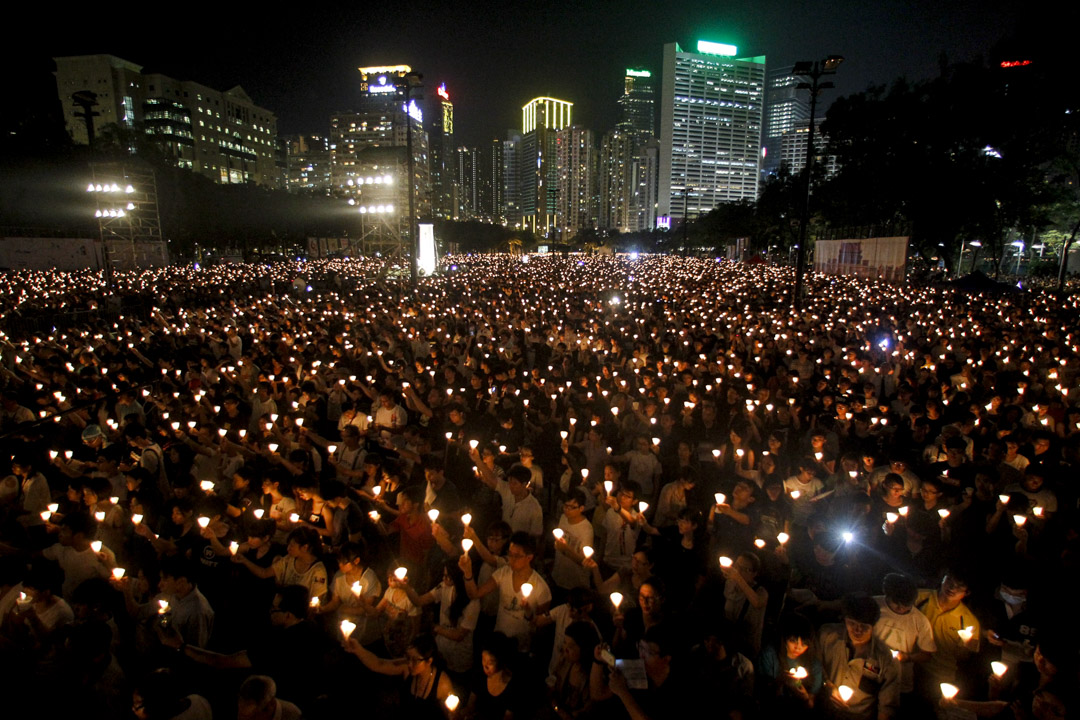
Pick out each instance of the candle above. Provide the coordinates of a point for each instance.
(136, 518)
(903, 511)
(782, 538)
(845, 692)
(1037, 511)
(452, 702)
(466, 544)
(118, 573)
(46, 515)
(526, 590)
(234, 547)
(608, 486)
(347, 627)
(642, 506)
(587, 551)
(759, 543)
(207, 485)
(400, 573)
(799, 673)
(273, 447)
(374, 515)
(558, 533)
(795, 494)
(315, 601)
(356, 588)
(949, 691)
(616, 599)
(52, 507)
(53, 454)
(895, 654)
(203, 521)
(584, 473)
(716, 454)
(1003, 499)
(114, 500)
(68, 454)
(294, 517)
(331, 449)
(473, 444)
(433, 514)
(725, 562)
(163, 607)
(891, 517)
(966, 633)
(99, 516)
(720, 498)
(943, 513)
(466, 519)
(259, 513)
(1019, 520)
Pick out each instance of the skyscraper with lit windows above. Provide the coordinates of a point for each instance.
(711, 114)
(541, 119)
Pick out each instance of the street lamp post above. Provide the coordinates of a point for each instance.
(814, 71)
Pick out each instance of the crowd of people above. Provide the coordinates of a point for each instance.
(537, 487)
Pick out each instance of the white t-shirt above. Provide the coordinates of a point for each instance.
(314, 578)
(904, 633)
(566, 573)
(79, 566)
(458, 654)
(524, 515)
(367, 628)
(511, 618)
(621, 539)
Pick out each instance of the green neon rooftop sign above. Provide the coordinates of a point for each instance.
(710, 48)
(638, 73)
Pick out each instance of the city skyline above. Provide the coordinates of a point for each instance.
(493, 63)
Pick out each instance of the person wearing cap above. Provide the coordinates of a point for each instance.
(852, 657)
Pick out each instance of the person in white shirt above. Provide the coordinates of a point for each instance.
(257, 700)
(906, 633)
(622, 526)
(74, 554)
(520, 508)
(644, 467)
(518, 604)
(458, 616)
(576, 533)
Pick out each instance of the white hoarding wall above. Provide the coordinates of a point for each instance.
(41, 253)
(872, 258)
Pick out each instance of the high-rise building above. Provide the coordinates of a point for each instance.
(489, 183)
(442, 155)
(307, 164)
(646, 173)
(616, 175)
(576, 195)
(223, 135)
(541, 119)
(383, 119)
(710, 128)
(465, 183)
(785, 107)
(637, 106)
(511, 179)
(793, 148)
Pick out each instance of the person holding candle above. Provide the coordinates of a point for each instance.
(904, 631)
(802, 488)
(674, 496)
(514, 608)
(413, 528)
(782, 687)
(956, 630)
(577, 532)
(520, 508)
(37, 619)
(745, 602)
(851, 656)
(190, 614)
(424, 685)
(74, 554)
(300, 565)
(354, 593)
(621, 523)
(458, 616)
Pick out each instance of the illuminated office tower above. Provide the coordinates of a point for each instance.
(575, 201)
(785, 108)
(308, 164)
(637, 105)
(442, 155)
(465, 183)
(380, 122)
(222, 135)
(489, 183)
(511, 179)
(710, 128)
(616, 180)
(792, 148)
(541, 119)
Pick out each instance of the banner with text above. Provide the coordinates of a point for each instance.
(872, 258)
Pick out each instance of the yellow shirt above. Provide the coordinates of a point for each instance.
(945, 624)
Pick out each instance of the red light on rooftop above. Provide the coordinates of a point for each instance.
(1014, 63)
(442, 92)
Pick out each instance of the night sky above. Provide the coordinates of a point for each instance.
(495, 56)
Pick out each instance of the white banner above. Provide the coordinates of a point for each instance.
(872, 258)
